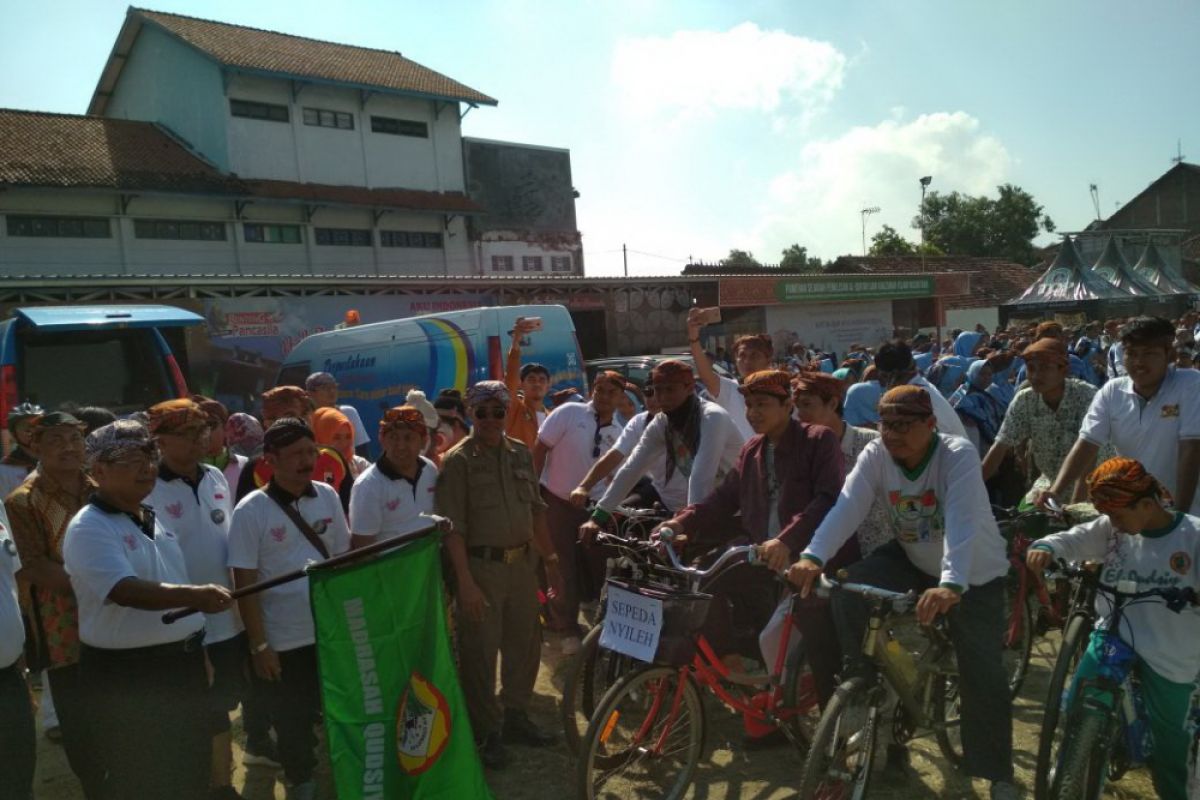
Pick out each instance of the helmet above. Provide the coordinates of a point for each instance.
(26, 410)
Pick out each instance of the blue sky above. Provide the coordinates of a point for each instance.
(700, 126)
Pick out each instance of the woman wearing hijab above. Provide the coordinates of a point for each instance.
(947, 373)
(1003, 369)
(335, 451)
(980, 412)
(862, 400)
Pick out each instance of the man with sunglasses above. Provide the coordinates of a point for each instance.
(145, 680)
(946, 545)
(192, 500)
(489, 491)
(570, 441)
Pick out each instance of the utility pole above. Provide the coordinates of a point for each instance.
(1178, 159)
(1095, 199)
(625, 259)
(866, 212)
(928, 179)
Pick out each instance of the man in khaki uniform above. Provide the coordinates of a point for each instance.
(488, 489)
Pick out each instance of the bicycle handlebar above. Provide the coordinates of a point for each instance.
(899, 599)
(675, 563)
(1175, 598)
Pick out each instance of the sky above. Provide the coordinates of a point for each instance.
(696, 127)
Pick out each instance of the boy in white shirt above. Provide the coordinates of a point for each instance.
(394, 496)
(1140, 538)
(751, 354)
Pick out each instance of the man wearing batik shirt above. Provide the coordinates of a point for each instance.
(395, 495)
(39, 511)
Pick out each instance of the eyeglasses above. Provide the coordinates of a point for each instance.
(484, 412)
(900, 426)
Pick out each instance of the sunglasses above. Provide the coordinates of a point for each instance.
(491, 413)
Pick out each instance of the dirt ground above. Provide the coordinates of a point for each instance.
(726, 772)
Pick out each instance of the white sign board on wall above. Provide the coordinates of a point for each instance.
(831, 327)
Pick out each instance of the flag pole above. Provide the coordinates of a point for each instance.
(336, 561)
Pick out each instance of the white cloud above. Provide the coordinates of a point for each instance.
(817, 203)
(697, 73)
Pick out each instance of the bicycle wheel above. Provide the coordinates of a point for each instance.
(800, 699)
(839, 761)
(593, 670)
(1018, 635)
(947, 717)
(645, 738)
(1083, 770)
(1054, 720)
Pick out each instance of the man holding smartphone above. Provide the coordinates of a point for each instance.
(751, 354)
(527, 385)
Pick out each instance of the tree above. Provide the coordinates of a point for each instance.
(888, 242)
(796, 259)
(740, 258)
(980, 226)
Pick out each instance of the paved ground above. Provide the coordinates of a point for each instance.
(726, 773)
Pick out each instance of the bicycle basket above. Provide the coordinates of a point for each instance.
(683, 615)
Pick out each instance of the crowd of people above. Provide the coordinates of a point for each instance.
(885, 462)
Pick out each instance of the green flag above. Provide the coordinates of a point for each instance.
(394, 713)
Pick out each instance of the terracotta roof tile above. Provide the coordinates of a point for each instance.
(74, 152)
(247, 48)
(994, 281)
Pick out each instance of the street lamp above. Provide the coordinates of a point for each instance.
(866, 212)
(928, 179)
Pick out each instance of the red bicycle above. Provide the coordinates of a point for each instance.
(647, 734)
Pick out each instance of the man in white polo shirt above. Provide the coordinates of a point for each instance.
(394, 496)
(277, 529)
(17, 740)
(570, 441)
(193, 501)
(144, 679)
(1151, 415)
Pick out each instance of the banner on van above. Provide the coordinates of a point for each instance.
(249, 337)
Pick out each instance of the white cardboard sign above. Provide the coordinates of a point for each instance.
(632, 624)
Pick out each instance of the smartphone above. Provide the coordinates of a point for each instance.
(707, 316)
(534, 323)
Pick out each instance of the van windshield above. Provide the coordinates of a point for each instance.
(121, 370)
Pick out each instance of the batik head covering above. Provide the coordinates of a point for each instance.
(243, 434)
(757, 341)
(672, 371)
(484, 391)
(820, 384)
(1048, 328)
(283, 399)
(1121, 482)
(56, 419)
(403, 418)
(284, 432)
(906, 401)
(116, 440)
(173, 416)
(1050, 350)
(610, 376)
(217, 413)
(774, 382)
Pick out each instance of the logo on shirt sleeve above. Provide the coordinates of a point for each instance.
(175, 510)
(1180, 562)
(279, 534)
(130, 542)
(392, 505)
(1170, 411)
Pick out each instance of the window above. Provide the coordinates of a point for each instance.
(253, 110)
(410, 239)
(343, 237)
(323, 118)
(61, 227)
(58, 367)
(400, 127)
(273, 234)
(502, 263)
(178, 229)
(531, 263)
(560, 263)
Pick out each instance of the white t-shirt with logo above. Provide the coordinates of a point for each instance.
(103, 547)
(570, 434)
(200, 521)
(673, 492)
(12, 630)
(1148, 430)
(731, 399)
(1167, 641)
(263, 538)
(938, 512)
(384, 504)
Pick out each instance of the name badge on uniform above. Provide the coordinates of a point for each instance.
(218, 516)
(320, 525)
(1170, 411)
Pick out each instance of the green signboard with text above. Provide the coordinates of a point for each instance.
(853, 287)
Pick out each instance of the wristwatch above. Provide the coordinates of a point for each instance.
(258, 648)
(551, 559)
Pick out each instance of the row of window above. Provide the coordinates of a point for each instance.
(265, 233)
(531, 264)
(326, 118)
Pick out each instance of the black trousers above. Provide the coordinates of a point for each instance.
(17, 741)
(75, 722)
(294, 705)
(148, 711)
(977, 632)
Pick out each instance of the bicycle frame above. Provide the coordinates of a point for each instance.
(914, 694)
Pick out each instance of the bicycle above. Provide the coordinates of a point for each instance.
(592, 670)
(647, 733)
(842, 754)
(1096, 731)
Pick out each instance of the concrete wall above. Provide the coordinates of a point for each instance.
(968, 318)
(167, 82)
